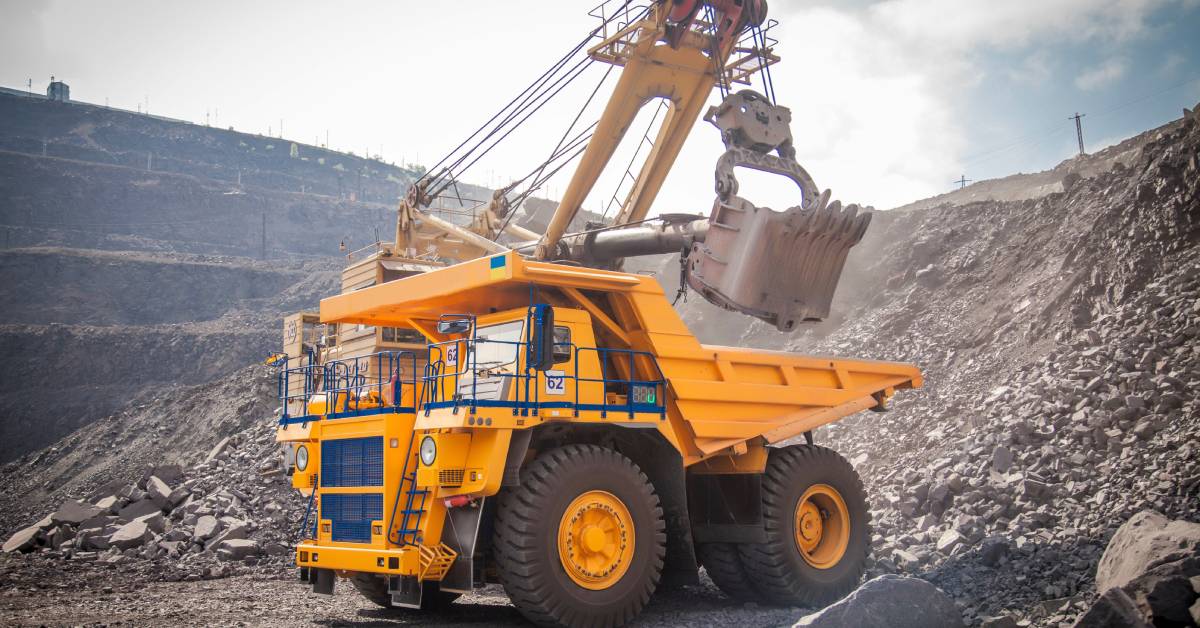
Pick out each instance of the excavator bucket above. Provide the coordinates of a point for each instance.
(781, 267)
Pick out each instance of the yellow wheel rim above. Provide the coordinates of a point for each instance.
(822, 526)
(596, 540)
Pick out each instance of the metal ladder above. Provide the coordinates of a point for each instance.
(410, 517)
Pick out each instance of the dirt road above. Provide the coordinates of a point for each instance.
(38, 592)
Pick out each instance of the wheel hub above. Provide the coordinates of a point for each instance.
(596, 540)
(822, 526)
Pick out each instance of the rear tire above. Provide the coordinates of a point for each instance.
(374, 588)
(563, 535)
(724, 567)
(832, 566)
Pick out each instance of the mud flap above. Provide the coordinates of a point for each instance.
(405, 591)
(322, 580)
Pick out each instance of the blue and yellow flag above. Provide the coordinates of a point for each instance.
(498, 264)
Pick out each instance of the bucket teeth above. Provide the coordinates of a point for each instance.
(781, 267)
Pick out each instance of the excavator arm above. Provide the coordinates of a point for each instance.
(779, 266)
(671, 54)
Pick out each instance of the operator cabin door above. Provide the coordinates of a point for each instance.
(556, 385)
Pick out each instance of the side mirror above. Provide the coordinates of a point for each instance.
(540, 351)
(450, 326)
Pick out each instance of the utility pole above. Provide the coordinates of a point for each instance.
(29, 82)
(962, 181)
(263, 249)
(1078, 130)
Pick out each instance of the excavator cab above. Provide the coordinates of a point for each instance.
(779, 266)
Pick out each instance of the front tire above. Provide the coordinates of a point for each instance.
(581, 540)
(818, 528)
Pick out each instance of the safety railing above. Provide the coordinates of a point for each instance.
(295, 385)
(384, 382)
(371, 384)
(640, 395)
(512, 385)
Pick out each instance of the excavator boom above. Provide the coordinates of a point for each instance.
(779, 266)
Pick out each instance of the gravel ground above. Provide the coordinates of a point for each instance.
(38, 593)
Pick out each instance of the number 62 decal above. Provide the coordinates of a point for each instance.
(556, 383)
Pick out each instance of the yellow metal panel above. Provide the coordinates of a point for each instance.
(358, 558)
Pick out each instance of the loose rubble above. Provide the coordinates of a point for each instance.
(1002, 482)
(227, 515)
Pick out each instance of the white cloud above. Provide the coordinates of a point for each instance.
(1102, 75)
(1035, 69)
(878, 89)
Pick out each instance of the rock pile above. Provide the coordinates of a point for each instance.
(1009, 511)
(1002, 482)
(228, 513)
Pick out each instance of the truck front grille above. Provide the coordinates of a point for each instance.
(351, 515)
(352, 462)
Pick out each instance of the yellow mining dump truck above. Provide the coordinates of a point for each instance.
(556, 428)
(571, 440)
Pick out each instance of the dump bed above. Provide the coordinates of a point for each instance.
(717, 397)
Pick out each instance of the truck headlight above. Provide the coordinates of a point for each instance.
(301, 458)
(428, 450)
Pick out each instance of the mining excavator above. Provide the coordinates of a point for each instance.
(485, 403)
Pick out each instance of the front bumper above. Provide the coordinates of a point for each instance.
(403, 561)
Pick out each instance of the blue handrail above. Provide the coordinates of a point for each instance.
(528, 398)
(354, 386)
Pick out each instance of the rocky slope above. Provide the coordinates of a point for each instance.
(1059, 340)
(87, 332)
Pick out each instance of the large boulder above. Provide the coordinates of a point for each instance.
(24, 540)
(1147, 571)
(1148, 542)
(112, 503)
(158, 492)
(138, 509)
(889, 601)
(73, 512)
(1114, 608)
(206, 528)
(155, 521)
(130, 535)
(237, 549)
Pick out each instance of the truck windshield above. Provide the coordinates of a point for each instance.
(496, 345)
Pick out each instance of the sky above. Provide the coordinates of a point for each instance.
(892, 101)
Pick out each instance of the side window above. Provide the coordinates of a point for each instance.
(562, 345)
